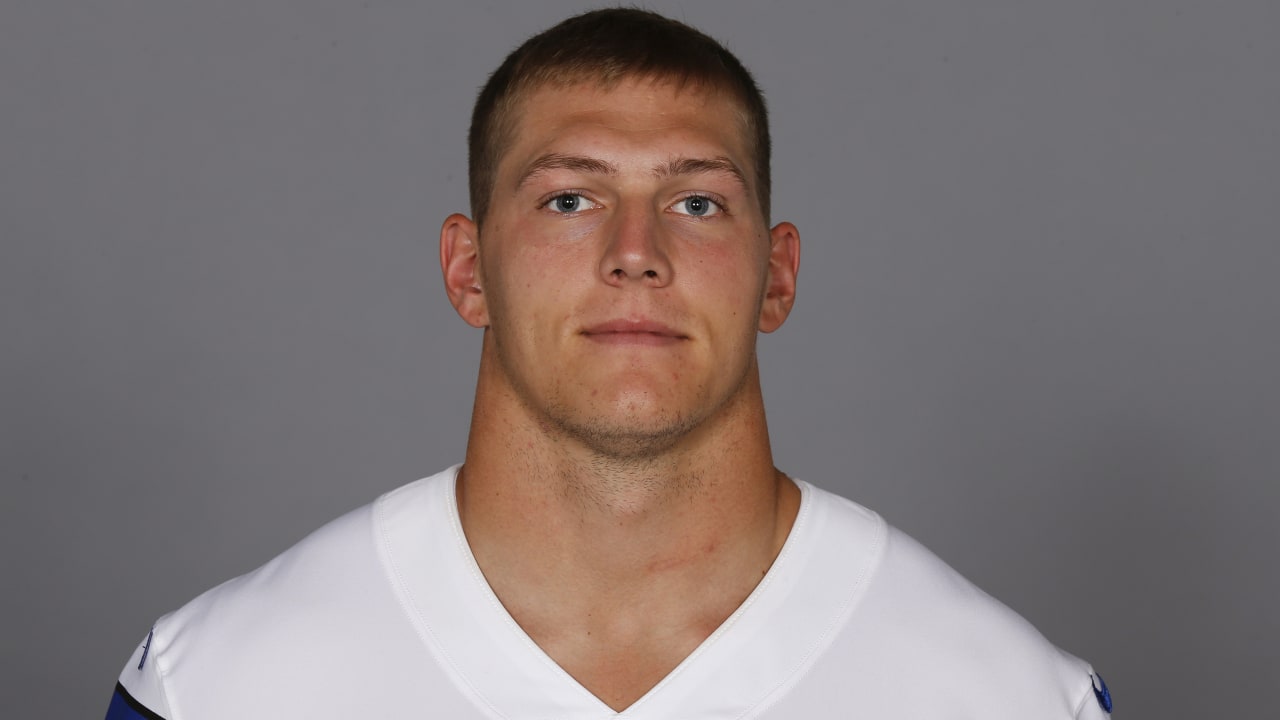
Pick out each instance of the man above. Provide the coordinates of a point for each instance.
(617, 540)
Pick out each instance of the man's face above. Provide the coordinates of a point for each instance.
(623, 262)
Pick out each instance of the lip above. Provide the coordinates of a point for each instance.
(633, 332)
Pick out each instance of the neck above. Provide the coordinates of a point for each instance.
(645, 553)
(530, 489)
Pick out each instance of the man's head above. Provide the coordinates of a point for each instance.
(606, 47)
(626, 263)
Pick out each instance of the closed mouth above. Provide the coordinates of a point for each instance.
(641, 332)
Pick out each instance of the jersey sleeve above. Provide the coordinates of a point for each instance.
(1095, 703)
(139, 693)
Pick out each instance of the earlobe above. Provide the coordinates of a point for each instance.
(460, 264)
(780, 285)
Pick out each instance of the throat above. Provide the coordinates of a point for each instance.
(620, 599)
(619, 668)
(619, 634)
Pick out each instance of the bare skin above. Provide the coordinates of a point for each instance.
(619, 492)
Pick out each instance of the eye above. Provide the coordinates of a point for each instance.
(565, 203)
(697, 206)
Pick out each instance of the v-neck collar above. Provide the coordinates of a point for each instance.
(749, 661)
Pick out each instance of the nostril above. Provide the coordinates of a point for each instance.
(620, 274)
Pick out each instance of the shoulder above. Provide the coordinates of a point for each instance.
(334, 567)
(918, 623)
(315, 607)
(315, 569)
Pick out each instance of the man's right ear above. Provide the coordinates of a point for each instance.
(460, 263)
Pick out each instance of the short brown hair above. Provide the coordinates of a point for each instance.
(607, 46)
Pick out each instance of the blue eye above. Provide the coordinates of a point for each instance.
(697, 206)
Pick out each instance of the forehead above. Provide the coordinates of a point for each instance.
(636, 116)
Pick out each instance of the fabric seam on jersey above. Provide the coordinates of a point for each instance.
(788, 551)
(486, 591)
(823, 643)
(162, 672)
(408, 604)
(1084, 698)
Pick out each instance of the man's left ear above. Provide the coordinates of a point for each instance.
(780, 286)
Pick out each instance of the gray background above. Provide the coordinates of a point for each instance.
(1036, 325)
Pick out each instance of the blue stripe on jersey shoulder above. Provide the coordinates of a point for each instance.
(124, 707)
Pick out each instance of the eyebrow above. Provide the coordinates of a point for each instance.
(557, 161)
(696, 166)
(671, 168)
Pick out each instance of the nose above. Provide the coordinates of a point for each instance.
(635, 250)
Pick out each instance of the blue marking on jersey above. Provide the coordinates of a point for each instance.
(124, 707)
(146, 648)
(1101, 692)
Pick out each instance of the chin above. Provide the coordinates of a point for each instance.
(629, 437)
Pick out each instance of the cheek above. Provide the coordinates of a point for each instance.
(534, 287)
(724, 288)
(728, 275)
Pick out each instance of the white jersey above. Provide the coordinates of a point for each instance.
(383, 613)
